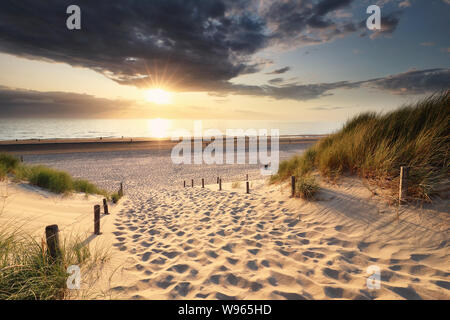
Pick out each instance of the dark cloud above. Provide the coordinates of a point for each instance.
(276, 80)
(29, 103)
(389, 23)
(279, 71)
(410, 82)
(296, 22)
(298, 92)
(414, 81)
(187, 45)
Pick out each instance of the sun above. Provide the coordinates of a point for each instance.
(159, 128)
(158, 96)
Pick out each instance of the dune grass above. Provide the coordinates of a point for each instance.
(306, 187)
(115, 197)
(8, 164)
(54, 180)
(27, 272)
(375, 145)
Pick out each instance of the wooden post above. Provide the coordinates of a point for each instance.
(220, 184)
(105, 207)
(248, 187)
(203, 182)
(192, 182)
(403, 187)
(97, 219)
(293, 185)
(217, 179)
(121, 189)
(52, 236)
(184, 183)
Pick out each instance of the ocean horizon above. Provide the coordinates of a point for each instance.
(22, 129)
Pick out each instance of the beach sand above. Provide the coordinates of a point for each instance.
(170, 242)
(194, 243)
(198, 243)
(58, 146)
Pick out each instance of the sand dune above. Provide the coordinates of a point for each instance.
(198, 243)
(194, 243)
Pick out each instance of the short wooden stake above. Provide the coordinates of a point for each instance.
(184, 184)
(220, 184)
(403, 187)
(248, 187)
(203, 182)
(192, 183)
(105, 207)
(97, 219)
(121, 190)
(52, 237)
(293, 185)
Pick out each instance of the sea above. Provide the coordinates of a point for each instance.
(21, 129)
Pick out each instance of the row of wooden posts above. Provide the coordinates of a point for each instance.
(52, 231)
(219, 182)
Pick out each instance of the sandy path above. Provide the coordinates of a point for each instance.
(198, 243)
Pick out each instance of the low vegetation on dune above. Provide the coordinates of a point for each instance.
(54, 180)
(27, 272)
(375, 145)
(306, 187)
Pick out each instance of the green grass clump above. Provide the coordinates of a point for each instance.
(27, 272)
(54, 180)
(375, 145)
(3, 172)
(87, 187)
(306, 187)
(115, 197)
(8, 162)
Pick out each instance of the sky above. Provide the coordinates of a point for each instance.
(226, 59)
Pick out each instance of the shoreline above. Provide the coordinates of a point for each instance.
(55, 146)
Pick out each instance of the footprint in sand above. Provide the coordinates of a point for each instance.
(212, 254)
(331, 273)
(419, 257)
(159, 261)
(171, 254)
(179, 268)
(332, 292)
(165, 282)
(222, 296)
(146, 256)
(182, 288)
(252, 265)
